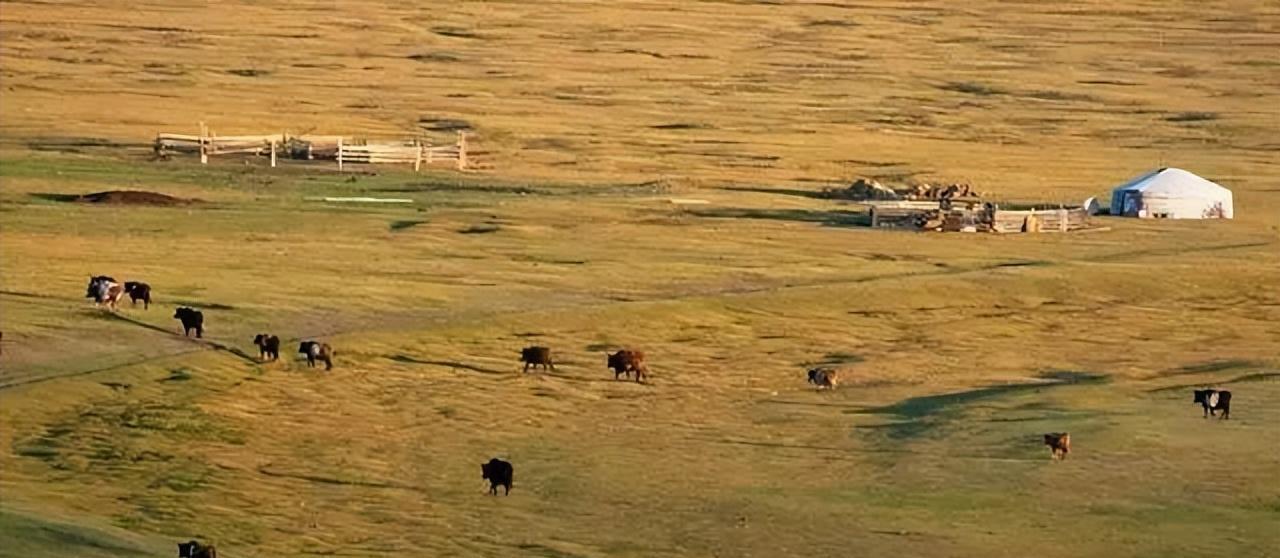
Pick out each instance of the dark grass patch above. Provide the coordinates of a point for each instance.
(77, 144)
(832, 23)
(1193, 116)
(443, 124)
(682, 126)
(1217, 365)
(249, 72)
(1022, 263)
(485, 228)
(811, 194)
(203, 305)
(177, 375)
(116, 197)
(839, 359)
(406, 359)
(435, 57)
(919, 415)
(545, 260)
(836, 218)
(1108, 82)
(1245, 379)
(1054, 95)
(455, 32)
(404, 224)
(972, 88)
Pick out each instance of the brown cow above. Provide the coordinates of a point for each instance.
(626, 361)
(1059, 444)
(824, 378)
(535, 357)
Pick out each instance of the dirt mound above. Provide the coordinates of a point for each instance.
(132, 197)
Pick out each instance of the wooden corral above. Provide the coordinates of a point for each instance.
(974, 217)
(310, 147)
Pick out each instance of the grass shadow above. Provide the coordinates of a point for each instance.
(836, 218)
(446, 363)
(1247, 378)
(918, 415)
(780, 191)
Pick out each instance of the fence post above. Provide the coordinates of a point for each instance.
(1062, 220)
(204, 151)
(417, 158)
(875, 217)
(273, 154)
(462, 150)
(339, 154)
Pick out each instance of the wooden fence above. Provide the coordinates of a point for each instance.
(930, 215)
(336, 148)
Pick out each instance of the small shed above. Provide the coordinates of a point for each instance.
(1171, 193)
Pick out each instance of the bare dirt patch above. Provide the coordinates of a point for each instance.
(121, 197)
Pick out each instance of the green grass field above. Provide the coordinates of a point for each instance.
(119, 437)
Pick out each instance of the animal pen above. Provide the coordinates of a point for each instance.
(947, 216)
(313, 147)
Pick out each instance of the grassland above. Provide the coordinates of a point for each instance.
(120, 437)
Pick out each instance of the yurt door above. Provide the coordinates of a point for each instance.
(1132, 203)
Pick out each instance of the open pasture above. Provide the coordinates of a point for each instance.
(118, 437)
(956, 353)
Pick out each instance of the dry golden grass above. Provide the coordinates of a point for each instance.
(120, 438)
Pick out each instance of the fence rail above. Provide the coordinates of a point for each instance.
(312, 147)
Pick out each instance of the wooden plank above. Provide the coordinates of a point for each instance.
(359, 200)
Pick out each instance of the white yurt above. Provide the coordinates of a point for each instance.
(1171, 193)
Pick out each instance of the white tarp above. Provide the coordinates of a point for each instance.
(1171, 193)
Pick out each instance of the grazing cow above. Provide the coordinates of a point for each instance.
(499, 473)
(317, 351)
(824, 378)
(1213, 401)
(626, 361)
(191, 319)
(139, 291)
(104, 291)
(1059, 444)
(194, 549)
(535, 357)
(94, 281)
(268, 346)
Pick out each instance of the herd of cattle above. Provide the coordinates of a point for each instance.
(107, 292)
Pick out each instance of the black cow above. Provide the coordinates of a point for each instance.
(194, 549)
(499, 473)
(268, 346)
(138, 291)
(1213, 401)
(191, 319)
(317, 351)
(535, 357)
